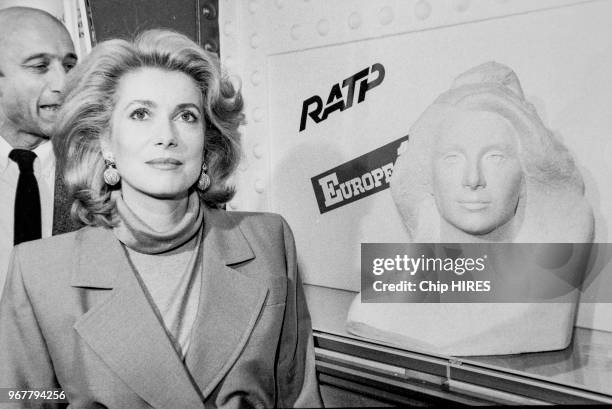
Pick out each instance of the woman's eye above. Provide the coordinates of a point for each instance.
(188, 116)
(140, 114)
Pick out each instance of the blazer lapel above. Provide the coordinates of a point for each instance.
(230, 303)
(124, 331)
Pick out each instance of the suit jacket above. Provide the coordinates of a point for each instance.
(61, 207)
(75, 316)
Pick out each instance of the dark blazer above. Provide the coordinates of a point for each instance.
(74, 316)
(62, 223)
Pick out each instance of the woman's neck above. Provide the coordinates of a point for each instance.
(159, 214)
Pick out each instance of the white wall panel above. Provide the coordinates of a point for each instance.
(285, 51)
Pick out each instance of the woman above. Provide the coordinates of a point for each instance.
(163, 300)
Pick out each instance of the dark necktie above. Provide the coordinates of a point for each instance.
(27, 199)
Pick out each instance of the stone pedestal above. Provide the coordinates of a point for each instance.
(466, 329)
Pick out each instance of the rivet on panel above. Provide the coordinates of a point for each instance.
(234, 204)
(244, 165)
(253, 6)
(385, 15)
(259, 186)
(323, 27)
(354, 21)
(258, 114)
(422, 9)
(211, 46)
(296, 32)
(462, 5)
(256, 78)
(209, 12)
(255, 41)
(258, 151)
(228, 28)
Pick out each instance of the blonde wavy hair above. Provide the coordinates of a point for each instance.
(90, 98)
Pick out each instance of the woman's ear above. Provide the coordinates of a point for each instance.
(104, 143)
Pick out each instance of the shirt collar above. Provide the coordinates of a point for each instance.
(44, 163)
(5, 149)
(46, 159)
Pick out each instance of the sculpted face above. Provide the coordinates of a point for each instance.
(36, 52)
(157, 134)
(477, 176)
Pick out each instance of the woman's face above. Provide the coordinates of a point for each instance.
(477, 176)
(157, 133)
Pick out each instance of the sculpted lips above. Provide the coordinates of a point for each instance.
(474, 205)
(164, 163)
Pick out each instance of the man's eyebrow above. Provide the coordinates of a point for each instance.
(47, 55)
(36, 57)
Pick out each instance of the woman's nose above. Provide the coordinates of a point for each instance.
(473, 176)
(166, 134)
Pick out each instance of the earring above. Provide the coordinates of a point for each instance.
(204, 180)
(111, 174)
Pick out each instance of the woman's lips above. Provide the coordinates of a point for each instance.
(164, 163)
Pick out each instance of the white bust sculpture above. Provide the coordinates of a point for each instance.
(481, 166)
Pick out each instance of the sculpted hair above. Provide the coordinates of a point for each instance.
(90, 99)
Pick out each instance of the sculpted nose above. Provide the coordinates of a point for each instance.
(473, 177)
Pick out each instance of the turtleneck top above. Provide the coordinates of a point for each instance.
(168, 266)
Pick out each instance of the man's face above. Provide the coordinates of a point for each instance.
(34, 60)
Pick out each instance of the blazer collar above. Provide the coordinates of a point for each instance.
(128, 336)
(230, 303)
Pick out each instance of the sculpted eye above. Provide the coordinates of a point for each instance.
(451, 157)
(495, 157)
(140, 114)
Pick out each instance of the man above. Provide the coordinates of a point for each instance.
(36, 52)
